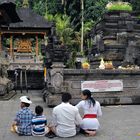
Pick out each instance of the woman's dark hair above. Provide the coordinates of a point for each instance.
(66, 97)
(38, 110)
(87, 93)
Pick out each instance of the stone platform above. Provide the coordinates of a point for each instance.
(70, 81)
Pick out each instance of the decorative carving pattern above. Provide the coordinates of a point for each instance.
(24, 45)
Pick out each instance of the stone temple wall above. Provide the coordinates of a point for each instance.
(116, 38)
(69, 80)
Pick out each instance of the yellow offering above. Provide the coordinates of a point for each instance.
(85, 65)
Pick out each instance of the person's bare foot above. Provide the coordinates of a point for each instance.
(90, 133)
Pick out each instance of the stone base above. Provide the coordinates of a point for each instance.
(73, 78)
(7, 96)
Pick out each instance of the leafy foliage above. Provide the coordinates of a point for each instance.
(63, 27)
(39, 6)
(67, 15)
(135, 4)
(94, 9)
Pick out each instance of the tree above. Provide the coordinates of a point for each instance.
(55, 7)
(39, 6)
(63, 27)
(135, 4)
(94, 9)
(67, 15)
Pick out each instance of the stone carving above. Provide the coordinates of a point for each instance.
(122, 37)
(57, 81)
(5, 84)
(132, 55)
(99, 42)
(24, 45)
(56, 74)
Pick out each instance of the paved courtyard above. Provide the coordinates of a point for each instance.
(117, 123)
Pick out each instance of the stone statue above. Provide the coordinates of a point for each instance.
(5, 83)
(122, 37)
(132, 55)
(99, 42)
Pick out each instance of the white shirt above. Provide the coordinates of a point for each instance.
(65, 118)
(90, 123)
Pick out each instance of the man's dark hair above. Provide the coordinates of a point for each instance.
(26, 104)
(66, 97)
(38, 110)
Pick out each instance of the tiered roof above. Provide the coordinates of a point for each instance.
(30, 20)
(8, 12)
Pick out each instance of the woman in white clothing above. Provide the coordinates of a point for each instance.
(92, 110)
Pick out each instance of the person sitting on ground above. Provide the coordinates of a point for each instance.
(92, 110)
(65, 118)
(39, 122)
(22, 122)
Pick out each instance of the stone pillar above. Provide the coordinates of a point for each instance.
(0, 44)
(11, 46)
(37, 47)
(56, 74)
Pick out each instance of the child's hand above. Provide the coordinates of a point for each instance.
(13, 128)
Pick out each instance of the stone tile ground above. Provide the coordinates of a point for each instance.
(117, 122)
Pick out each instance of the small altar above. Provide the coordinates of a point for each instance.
(25, 61)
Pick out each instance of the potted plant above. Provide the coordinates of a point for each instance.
(85, 65)
(119, 6)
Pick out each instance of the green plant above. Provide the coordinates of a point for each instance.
(119, 6)
(63, 27)
(138, 16)
(71, 61)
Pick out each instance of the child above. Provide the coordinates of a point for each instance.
(39, 122)
(22, 122)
